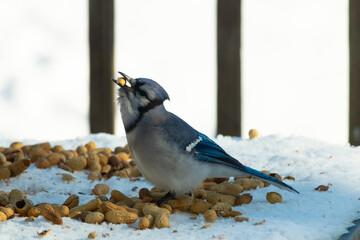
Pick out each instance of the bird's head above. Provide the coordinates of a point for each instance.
(137, 96)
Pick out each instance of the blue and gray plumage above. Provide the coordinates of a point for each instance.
(169, 152)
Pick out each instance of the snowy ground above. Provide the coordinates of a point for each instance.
(309, 215)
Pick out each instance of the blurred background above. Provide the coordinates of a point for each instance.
(294, 64)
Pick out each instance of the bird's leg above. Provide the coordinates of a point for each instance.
(168, 196)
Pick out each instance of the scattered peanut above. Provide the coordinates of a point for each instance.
(101, 189)
(183, 203)
(72, 201)
(44, 233)
(228, 188)
(117, 216)
(81, 149)
(2, 159)
(57, 149)
(16, 195)
(30, 219)
(144, 192)
(19, 166)
(322, 188)
(210, 215)
(230, 213)
(49, 213)
(214, 197)
(289, 178)
(94, 218)
(34, 212)
(241, 219)
(118, 196)
(243, 199)
(67, 177)
(89, 206)
(22, 207)
(221, 206)
(145, 222)
(108, 206)
(74, 214)
(4, 172)
(94, 175)
(3, 216)
(92, 235)
(273, 197)
(253, 133)
(249, 184)
(17, 145)
(77, 163)
(161, 215)
(90, 145)
(200, 206)
(8, 211)
(62, 210)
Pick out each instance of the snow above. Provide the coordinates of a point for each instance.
(308, 215)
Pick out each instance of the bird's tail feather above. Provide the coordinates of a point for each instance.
(269, 179)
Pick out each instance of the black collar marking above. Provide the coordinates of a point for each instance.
(143, 110)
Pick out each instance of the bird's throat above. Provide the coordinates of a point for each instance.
(142, 111)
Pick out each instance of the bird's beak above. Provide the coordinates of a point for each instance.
(121, 82)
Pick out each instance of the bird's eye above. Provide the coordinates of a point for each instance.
(142, 93)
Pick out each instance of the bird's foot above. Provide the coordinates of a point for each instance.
(168, 196)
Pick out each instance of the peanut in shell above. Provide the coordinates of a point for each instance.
(145, 222)
(210, 215)
(8, 211)
(19, 166)
(94, 218)
(243, 199)
(89, 206)
(118, 196)
(22, 207)
(101, 189)
(77, 163)
(61, 209)
(4, 172)
(250, 183)
(49, 213)
(273, 197)
(3, 216)
(16, 195)
(200, 206)
(34, 212)
(117, 216)
(108, 206)
(72, 201)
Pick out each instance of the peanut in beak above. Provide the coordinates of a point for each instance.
(121, 81)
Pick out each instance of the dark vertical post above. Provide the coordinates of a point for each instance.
(354, 110)
(101, 35)
(228, 66)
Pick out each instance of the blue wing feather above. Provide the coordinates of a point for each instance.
(208, 151)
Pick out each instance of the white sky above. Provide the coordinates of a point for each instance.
(294, 64)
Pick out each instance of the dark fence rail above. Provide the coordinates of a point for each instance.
(228, 66)
(354, 44)
(101, 36)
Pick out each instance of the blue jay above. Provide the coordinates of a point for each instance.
(169, 152)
